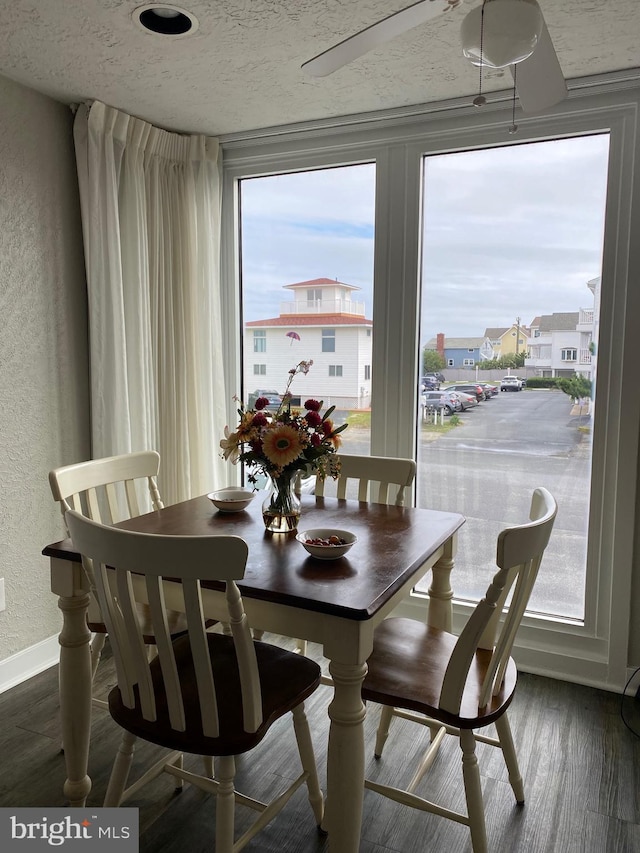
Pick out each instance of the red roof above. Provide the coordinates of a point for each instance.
(321, 282)
(294, 320)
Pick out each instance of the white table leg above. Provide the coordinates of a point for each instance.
(345, 759)
(75, 695)
(440, 592)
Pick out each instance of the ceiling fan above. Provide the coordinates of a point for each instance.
(495, 34)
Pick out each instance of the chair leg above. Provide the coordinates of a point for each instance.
(473, 791)
(301, 647)
(97, 644)
(510, 759)
(120, 772)
(209, 768)
(382, 734)
(225, 804)
(308, 760)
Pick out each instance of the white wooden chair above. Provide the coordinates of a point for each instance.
(458, 685)
(106, 490)
(380, 479)
(204, 693)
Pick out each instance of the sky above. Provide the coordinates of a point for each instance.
(508, 232)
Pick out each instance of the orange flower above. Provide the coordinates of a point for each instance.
(282, 445)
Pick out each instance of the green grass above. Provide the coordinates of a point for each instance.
(363, 420)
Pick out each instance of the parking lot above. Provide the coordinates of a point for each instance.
(487, 467)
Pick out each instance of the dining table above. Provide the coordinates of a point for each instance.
(335, 603)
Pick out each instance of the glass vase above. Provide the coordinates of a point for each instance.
(281, 507)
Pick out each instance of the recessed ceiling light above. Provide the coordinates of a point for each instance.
(165, 20)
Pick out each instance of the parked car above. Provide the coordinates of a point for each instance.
(429, 383)
(470, 388)
(440, 400)
(437, 377)
(272, 396)
(523, 381)
(490, 390)
(510, 383)
(467, 401)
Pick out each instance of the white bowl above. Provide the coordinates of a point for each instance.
(231, 499)
(326, 551)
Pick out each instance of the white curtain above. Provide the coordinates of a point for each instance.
(150, 205)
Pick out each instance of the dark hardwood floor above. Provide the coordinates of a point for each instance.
(580, 764)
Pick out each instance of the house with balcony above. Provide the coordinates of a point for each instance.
(324, 323)
(564, 343)
(555, 348)
(461, 352)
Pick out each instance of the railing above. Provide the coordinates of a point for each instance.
(323, 306)
(585, 356)
(585, 317)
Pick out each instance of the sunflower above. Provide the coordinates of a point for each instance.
(282, 445)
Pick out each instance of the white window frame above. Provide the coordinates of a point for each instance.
(565, 357)
(259, 369)
(335, 371)
(468, 362)
(329, 336)
(598, 651)
(260, 340)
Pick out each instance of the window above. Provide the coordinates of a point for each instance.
(598, 643)
(470, 349)
(335, 370)
(259, 340)
(367, 372)
(497, 167)
(288, 228)
(328, 340)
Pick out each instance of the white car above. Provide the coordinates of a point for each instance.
(510, 383)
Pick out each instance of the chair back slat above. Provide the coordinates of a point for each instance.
(155, 595)
(188, 559)
(247, 663)
(519, 554)
(133, 645)
(385, 471)
(201, 661)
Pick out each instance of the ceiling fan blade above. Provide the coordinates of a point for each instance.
(386, 29)
(539, 79)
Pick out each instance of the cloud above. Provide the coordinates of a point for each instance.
(509, 232)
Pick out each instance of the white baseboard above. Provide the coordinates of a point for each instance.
(29, 662)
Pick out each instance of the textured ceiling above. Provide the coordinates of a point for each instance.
(241, 69)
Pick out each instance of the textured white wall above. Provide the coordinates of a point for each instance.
(43, 350)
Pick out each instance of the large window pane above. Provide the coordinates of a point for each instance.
(512, 253)
(307, 277)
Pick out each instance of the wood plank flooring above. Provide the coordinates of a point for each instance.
(580, 764)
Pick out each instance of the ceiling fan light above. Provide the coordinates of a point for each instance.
(510, 32)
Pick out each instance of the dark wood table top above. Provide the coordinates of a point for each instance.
(393, 543)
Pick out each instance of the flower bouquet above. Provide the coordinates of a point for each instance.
(283, 444)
